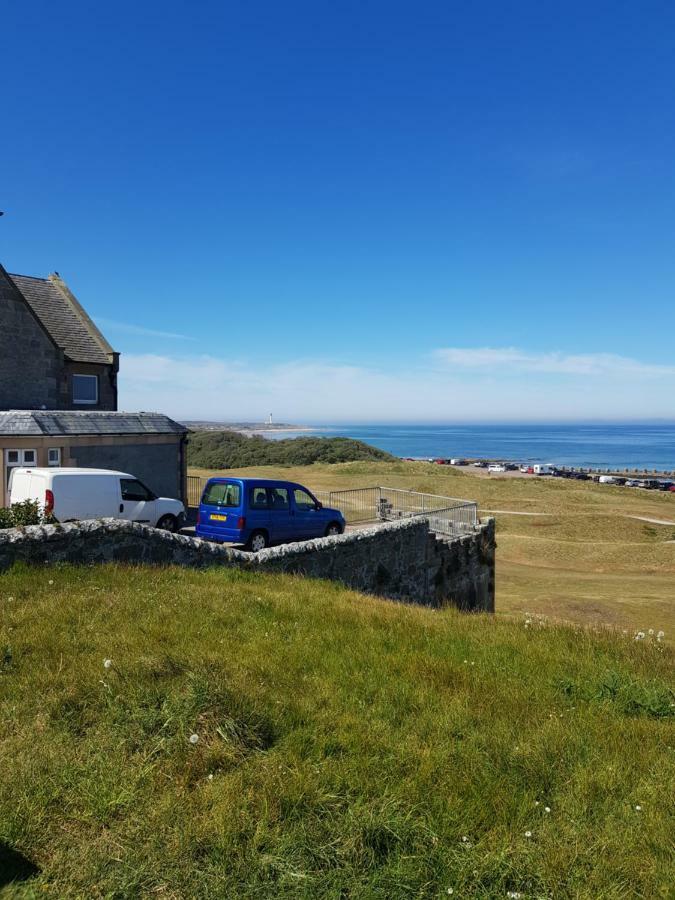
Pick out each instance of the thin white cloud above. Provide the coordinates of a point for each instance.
(204, 387)
(130, 328)
(499, 361)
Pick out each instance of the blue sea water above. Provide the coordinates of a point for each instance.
(615, 446)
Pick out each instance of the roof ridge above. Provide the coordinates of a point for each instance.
(34, 277)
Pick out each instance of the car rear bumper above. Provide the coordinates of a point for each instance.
(222, 535)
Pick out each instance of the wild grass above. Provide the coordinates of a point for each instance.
(584, 560)
(346, 747)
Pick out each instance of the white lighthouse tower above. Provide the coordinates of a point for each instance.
(269, 420)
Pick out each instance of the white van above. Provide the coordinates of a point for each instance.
(70, 494)
(542, 469)
(606, 479)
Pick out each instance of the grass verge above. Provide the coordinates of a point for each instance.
(345, 746)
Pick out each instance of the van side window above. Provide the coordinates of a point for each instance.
(134, 490)
(279, 498)
(220, 493)
(303, 500)
(259, 498)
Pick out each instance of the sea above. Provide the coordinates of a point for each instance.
(620, 446)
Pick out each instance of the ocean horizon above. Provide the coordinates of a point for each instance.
(620, 445)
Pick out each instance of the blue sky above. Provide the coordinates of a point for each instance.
(354, 211)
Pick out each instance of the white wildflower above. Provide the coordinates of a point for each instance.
(211, 777)
(194, 738)
(660, 635)
(528, 834)
(451, 891)
(638, 808)
(51, 581)
(547, 809)
(514, 895)
(464, 839)
(107, 663)
(536, 803)
(640, 636)
(651, 631)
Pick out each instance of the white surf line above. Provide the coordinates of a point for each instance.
(513, 512)
(651, 521)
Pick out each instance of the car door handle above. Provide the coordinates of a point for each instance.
(121, 507)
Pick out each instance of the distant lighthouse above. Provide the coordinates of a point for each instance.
(269, 421)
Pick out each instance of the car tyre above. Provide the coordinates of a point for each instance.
(257, 542)
(168, 523)
(333, 529)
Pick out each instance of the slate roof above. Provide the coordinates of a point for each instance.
(55, 422)
(64, 319)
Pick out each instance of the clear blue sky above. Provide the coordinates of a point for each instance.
(354, 210)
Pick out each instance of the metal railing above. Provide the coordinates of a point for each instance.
(446, 515)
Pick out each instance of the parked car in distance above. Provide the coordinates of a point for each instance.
(672, 489)
(69, 494)
(480, 464)
(632, 482)
(458, 462)
(511, 467)
(542, 469)
(496, 467)
(258, 512)
(606, 479)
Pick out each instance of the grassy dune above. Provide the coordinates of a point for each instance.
(345, 747)
(584, 560)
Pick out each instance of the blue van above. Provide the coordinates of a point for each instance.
(258, 512)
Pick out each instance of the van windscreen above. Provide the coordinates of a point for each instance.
(222, 494)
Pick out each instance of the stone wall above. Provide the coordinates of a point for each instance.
(30, 364)
(400, 560)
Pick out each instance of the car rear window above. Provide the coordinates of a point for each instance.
(222, 494)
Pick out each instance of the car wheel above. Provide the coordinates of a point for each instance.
(257, 541)
(333, 529)
(168, 523)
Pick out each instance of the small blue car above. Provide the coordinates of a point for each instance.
(258, 512)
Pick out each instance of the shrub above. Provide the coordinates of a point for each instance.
(231, 450)
(18, 515)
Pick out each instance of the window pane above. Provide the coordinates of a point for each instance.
(259, 498)
(133, 490)
(279, 497)
(29, 457)
(12, 457)
(85, 389)
(222, 494)
(303, 500)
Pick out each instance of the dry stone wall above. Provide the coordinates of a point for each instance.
(399, 560)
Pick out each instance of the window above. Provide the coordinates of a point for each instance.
(303, 500)
(222, 493)
(279, 498)
(259, 499)
(16, 458)
(135, 490)
(54, 456)
(85, 389)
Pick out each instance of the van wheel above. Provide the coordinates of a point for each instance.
(333, 529)
(168, 523)
(257, 541)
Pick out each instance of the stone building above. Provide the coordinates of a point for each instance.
(52, 356)
(58, 394)
(150, 446)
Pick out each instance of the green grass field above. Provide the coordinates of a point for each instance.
(346, 747)
(584, 560)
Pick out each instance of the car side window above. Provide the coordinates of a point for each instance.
(134, 490)
(259, 498)
(279, 498)
(303, 500)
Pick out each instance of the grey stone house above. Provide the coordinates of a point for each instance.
(52, 356)
(58, 394)
(150, 446)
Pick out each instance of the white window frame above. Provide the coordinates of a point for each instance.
(32, 462)
(57, 451)
(84, 402)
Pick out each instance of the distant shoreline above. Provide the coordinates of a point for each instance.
(248, 427)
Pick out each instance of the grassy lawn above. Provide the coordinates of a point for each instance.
(346, 747)
(583, 561)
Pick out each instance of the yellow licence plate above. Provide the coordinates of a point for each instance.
(218, 517)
